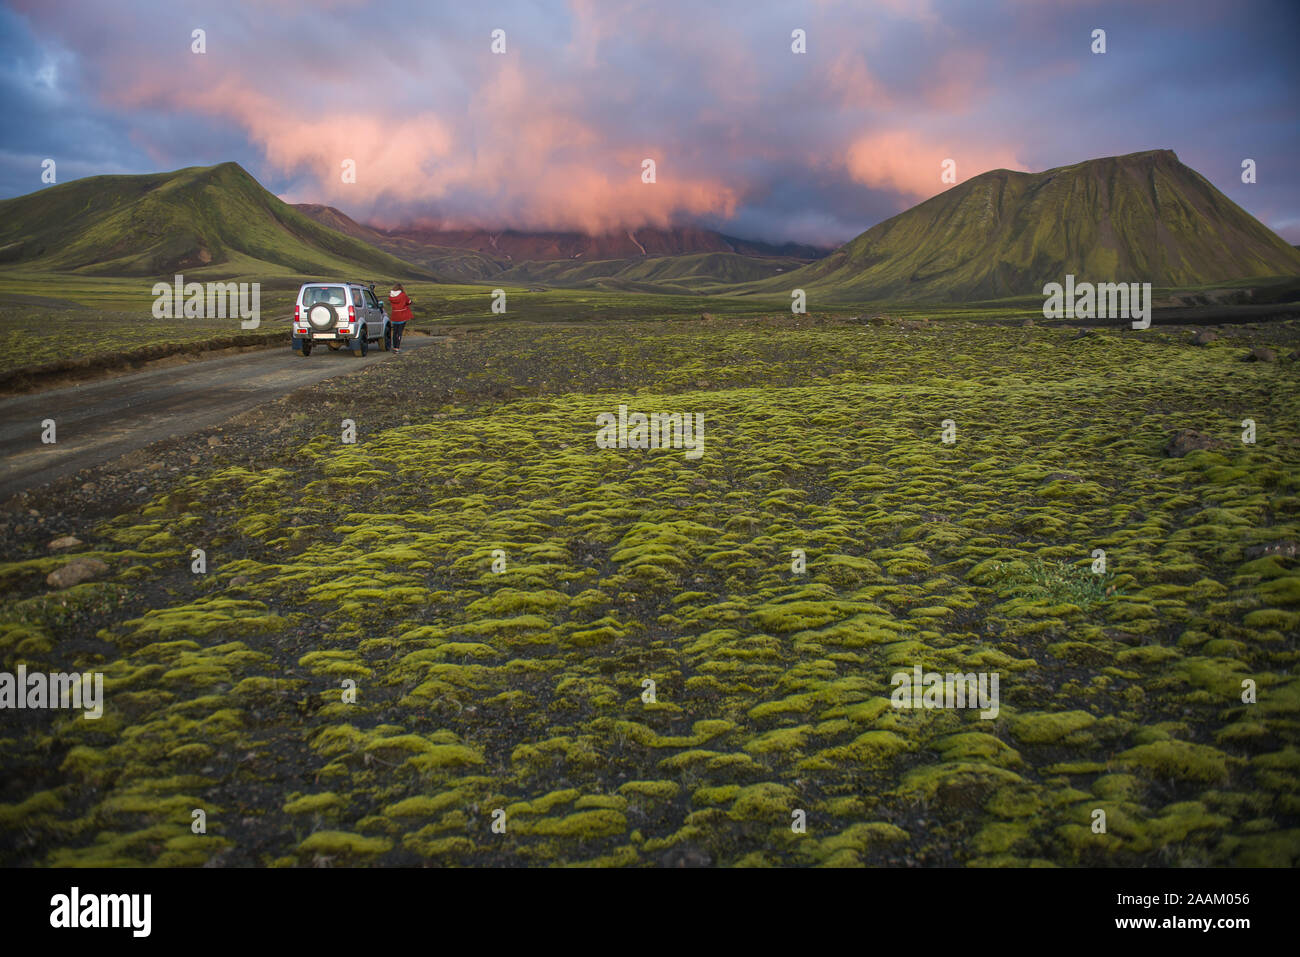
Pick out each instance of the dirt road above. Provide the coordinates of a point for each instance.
(98, 421)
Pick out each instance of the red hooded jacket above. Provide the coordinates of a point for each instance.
(400, 306)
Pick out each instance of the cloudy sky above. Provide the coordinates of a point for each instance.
(747, 136)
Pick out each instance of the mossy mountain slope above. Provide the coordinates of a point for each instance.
(1143, 217)
(160, 223)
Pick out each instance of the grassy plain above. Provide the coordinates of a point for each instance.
(51, 319)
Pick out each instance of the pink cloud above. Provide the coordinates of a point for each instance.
(848, 78)
(551, 167)
(552, 135)
(903, 161)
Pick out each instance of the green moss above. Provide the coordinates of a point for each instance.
(1281, 591)
(1001, 837)
(723, 794)
(1177, 759)
(424, 805)
(1273, 618)
(344, 845)
(1049, 728)
(702, 732)
(584, 825)
(779, 740)
(650, 790)
(442, 756)
(1118, 787)
(613, 802)
(977, 745)
(1179, 822)
(871, 748)
(767, 801)
(545, 803)
(956, 783)
(864, 837)
(15, 815)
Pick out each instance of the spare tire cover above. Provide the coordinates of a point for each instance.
(322, 316)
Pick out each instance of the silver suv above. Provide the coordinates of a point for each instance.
(338, 314)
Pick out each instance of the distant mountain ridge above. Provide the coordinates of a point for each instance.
(678, 260)
(1143, 217)
(515, 246)
(519, 246)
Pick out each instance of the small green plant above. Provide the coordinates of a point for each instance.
(1058, 582)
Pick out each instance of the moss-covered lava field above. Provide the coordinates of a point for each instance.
(453, 623)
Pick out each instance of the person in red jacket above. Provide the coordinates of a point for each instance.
(399, 304)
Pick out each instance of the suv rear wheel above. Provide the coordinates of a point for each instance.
(363, 344)
(306, 348)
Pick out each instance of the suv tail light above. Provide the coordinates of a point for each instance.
(297, 313)
(352, 314)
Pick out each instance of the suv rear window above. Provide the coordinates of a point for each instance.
(331, 295)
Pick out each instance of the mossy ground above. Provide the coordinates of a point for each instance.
(523, 691)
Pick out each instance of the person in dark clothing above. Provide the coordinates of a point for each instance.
(399, 304)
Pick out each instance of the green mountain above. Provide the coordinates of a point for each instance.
(1144, 217)
(214, 220)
